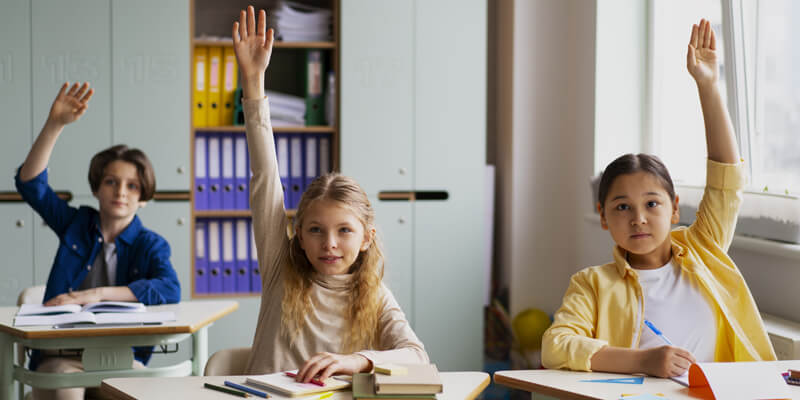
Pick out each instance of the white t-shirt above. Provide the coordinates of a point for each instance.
(675, 304)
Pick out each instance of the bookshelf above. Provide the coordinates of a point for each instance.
(285, 74)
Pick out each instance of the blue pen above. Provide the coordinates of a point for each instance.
(657, 332)
(246, 389)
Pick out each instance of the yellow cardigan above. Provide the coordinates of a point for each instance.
(603, 304)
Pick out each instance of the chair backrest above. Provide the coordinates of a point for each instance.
(31, 295)
(227, 362)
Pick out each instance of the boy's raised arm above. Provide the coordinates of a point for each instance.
(68, 107)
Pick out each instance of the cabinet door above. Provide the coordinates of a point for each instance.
(170, 219)
(71, 42)
(394, 226)
(15, 88)
(16, 272)
(450, 155)
(377, 93)
(150, 57)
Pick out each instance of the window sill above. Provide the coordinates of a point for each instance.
(765, 246)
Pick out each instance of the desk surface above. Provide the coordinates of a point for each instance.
(564, 384)
(457, 386)
(190, 316)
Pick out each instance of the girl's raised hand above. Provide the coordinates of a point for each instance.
(701, 58)
(70, 105)
(252, 44)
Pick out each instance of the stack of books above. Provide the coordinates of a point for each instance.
(285, 109)
(294, 22)
(404, 381)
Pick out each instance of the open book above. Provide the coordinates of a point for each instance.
(106, 312)
(287, 386)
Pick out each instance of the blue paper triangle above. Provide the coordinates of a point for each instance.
(638, 380)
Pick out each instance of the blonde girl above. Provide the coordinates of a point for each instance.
(324, 308)
(681, 281)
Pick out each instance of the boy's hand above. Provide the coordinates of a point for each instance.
(70, 104)
(666, 361)
(77, 297)
(253, 47)
(701, 58)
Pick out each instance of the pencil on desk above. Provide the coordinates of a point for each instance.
(225, 390)
(246, 389)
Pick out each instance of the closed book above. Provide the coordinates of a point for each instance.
(287, 386)
(364, 388)
(420, 379)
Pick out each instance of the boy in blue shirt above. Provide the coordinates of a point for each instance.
(105, 254)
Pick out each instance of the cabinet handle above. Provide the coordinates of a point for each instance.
(20, 223)
(402, 171)
(181, 221)
(401, 220)
(180, 170)
(419, 195)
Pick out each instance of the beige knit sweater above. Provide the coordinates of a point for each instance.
(326, 323)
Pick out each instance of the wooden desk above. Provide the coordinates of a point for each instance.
(457, 386)
(107, 351)
(564, 384)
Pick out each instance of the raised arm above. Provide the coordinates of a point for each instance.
(68, 107)
(701, 61)
(253, 47)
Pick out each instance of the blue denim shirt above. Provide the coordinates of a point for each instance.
(143, 256)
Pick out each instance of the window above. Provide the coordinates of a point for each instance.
(758, 42)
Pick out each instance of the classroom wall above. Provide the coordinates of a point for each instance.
(545, 156)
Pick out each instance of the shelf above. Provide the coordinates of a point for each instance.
(276, 45)
(294, 129)
(232, 213)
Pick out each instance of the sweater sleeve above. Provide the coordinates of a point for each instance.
(398, 343)
(266, 194)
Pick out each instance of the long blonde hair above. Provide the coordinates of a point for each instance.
(365, 303)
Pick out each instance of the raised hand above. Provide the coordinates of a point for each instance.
(701, 58)
(70, 105)
(253, 47)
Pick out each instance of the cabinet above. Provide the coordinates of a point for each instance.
(413, 109)
(212, 23)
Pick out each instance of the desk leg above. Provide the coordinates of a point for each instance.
(200, 350)
(6, 367)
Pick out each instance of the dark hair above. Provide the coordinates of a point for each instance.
(632, 163)
(147, 177)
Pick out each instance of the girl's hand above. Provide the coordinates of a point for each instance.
(701, 58)
(70, 105)
(324, 365)
(666, 361)
(77, 297)
(253, 45)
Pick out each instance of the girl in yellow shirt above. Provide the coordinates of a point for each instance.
(681, 280)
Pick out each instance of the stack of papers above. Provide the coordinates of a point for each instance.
(286, 110)
(294, 22)
(285, 385)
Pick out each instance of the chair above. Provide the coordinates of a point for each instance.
(30, 295)
(227, 362)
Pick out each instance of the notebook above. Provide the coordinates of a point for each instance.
(420, 379)
(103, 306)
(286, 385)
(738, 380)
(364, 388)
